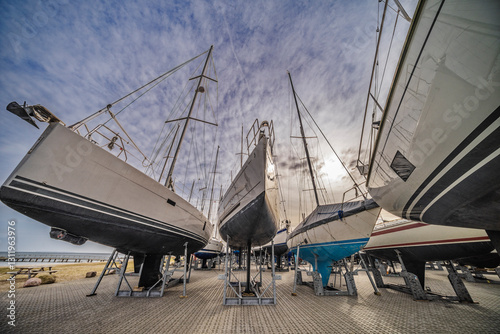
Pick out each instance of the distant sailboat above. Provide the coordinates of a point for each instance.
(331, 232)
(211, 250)
(83, 191)
(214, 246)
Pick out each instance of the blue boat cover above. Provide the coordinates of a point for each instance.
(324, 214)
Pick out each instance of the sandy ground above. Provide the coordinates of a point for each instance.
(65, 271)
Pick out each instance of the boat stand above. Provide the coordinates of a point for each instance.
(157, 290)
(283, 267)
(206, 264)
(233, 286)
(317, 283)
(112, 264)
(434, 265)
(478, 276)
(412, 284)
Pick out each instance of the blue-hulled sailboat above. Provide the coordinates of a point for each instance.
(332, 231)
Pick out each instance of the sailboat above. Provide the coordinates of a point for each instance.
(331, 232)
(84, 192)
(211, 250)
(214, 246)
(417, 242)
(279, 241)
(248, 212)
(437, 151)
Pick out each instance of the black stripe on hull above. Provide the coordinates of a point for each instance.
(76, 199)
(278, 249)
(474, 202)
(254, 222)
(113, 230)
(205, 255)
(433, 252)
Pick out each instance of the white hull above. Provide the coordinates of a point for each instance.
(437, 153)
(248, 212)
(211, 250)
(69, 183)
(418, 243)
(280, 245)
(427, 242)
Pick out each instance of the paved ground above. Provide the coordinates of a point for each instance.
(64, 308)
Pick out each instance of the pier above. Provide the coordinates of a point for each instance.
(57, 257)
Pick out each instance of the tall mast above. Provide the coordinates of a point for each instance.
(188, 118)
(213, 183)
(241, 154)
(168, 154)
(305, 143)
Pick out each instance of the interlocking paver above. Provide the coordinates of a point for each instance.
(64, 308)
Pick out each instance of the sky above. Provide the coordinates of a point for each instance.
(76, 57)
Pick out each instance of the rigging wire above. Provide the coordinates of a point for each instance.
(328, 142)
(75, 126)
(388, 54)
(379, 31)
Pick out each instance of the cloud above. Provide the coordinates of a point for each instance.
(76, 57)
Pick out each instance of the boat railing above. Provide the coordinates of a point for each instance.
(357, 194)
(115, 141)
(104, 136)
(253, 135)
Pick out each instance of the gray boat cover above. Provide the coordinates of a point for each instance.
(323, 214)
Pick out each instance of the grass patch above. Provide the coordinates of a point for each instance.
(65, 272)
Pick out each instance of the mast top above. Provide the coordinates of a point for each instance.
(311, 172)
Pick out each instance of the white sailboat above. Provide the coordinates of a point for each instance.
(331, 232)
(417, 243)
(248, 212)
(214, 246)
(83, 191)
(437, 152)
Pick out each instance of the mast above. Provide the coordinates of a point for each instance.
(188, 118)
(305, 143)
(168, 154)
(241, 154)
(213, 183)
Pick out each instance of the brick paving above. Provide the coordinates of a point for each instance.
(64, 308)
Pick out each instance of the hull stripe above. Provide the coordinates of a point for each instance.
(82, 202)
(333, 243)
(400, 228)
(487, 145)
(432, 242)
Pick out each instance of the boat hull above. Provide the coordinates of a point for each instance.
(325, 237)
(280, 245)
(423, 242)
(418, 243)
(69, 183)
(210, 251)
(249, 210)
(437, 152)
